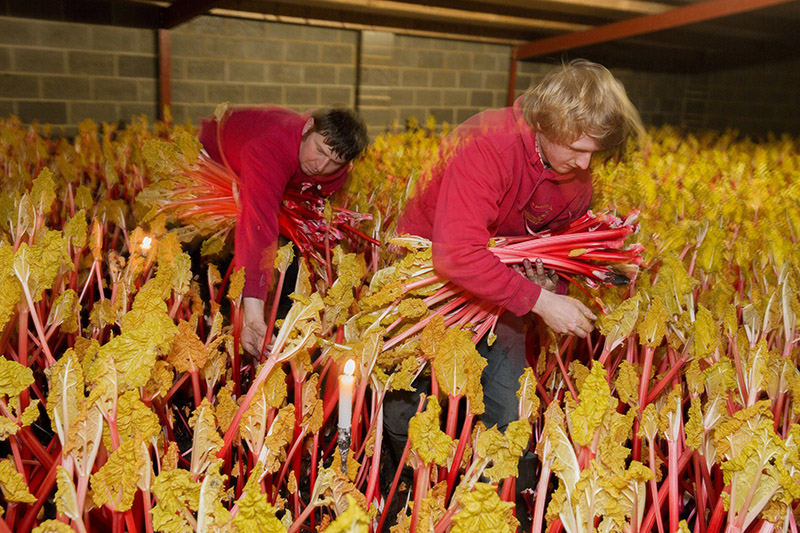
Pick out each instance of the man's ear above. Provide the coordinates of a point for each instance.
(308, 125)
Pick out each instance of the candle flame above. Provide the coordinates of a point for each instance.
(146, 243)
(349, 367)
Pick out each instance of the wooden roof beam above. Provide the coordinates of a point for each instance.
(710, 9)
(185, 10)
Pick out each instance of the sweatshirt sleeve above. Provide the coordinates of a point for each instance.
(264, 176)
(473, 185)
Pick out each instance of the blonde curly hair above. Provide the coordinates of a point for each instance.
(581, 98)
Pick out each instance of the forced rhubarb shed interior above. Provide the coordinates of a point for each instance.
(128, 401)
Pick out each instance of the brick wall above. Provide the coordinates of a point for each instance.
(404, 76)
(217, 59)
(61, 72)
(87, 65)
(755, 99)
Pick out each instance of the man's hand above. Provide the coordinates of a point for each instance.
(254, 327)
(546, 279)
(564, 314)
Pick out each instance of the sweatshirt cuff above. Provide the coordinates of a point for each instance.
(523, 303)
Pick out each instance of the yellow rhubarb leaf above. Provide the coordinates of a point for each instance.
(627, 383)
(65, 311)
(284, 257)
(555, 449)
(273, 452)
(253, 425)
(43, 191)
(594, 400)
(431, 443)
(211, 514)
(77, 230)
(236, 284)
(206, 441)
(14, 378)
(135, 419)
(66, 393)
(275, 387)
(160, 380)
(302, 286)
(404, 375)
(351, 271)
(146, 332)
(226, 406)
(188, 352)
(300, 326)
(619, 324)
(85, 437)
(694, 429)
(177, 498)
(10, 288)
(412, 308)
(669, 416)
(12, 483)
(504, 450)
(312, 406)
(66, 497)
(705, 340)
(528, 400)
(53, 526)
(256, 514)
(483, 510)
(115, 482)
(459, 366)
(654, 325)
(673, 284)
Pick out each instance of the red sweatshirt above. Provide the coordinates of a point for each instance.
(261, 145)
(493, 183)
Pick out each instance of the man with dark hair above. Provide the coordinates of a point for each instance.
(273, 149)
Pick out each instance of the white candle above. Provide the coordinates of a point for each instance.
(346, 383)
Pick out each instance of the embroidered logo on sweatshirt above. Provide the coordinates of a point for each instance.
(535, 214)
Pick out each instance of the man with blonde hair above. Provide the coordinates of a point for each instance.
(509, 172)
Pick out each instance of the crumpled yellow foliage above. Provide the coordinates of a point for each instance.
(432, 444)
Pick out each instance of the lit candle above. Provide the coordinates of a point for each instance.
(346, 383)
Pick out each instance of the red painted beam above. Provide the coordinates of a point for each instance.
(711, 9)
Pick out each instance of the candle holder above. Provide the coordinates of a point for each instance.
(344, 447)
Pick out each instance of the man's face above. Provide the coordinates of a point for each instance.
(567, 158)
(316, 157)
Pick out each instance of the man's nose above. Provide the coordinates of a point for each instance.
(583, 161)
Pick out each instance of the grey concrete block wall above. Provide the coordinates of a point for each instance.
(63, 72)
(246, 62)
(755, 100)
(421, 77)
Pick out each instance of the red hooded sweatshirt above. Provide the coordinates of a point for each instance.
(492, 183)
(261, 145)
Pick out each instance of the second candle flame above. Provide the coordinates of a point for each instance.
(349, 367)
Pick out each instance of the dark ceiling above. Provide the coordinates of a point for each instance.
(664, 35)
